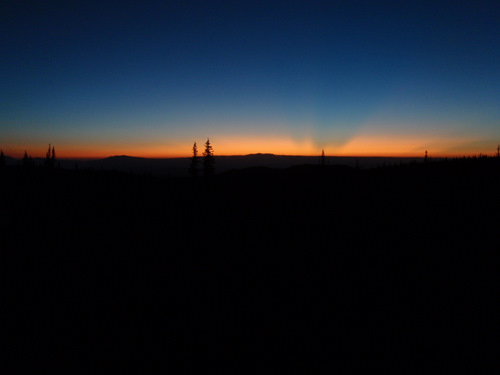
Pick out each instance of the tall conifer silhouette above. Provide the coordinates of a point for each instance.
(26, 159)
(48, 159)
(208, 159)
(193, 169)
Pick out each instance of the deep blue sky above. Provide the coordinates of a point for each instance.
(294, 77)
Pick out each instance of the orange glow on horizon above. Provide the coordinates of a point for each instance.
(360, 146)
(410, 146)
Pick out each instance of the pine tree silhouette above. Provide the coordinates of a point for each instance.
(48, 160)
(2, 159)
(26, 160)
(208, 159)
(322, 162)
(193, 169)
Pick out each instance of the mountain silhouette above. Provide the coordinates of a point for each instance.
(223, 163)
(374, 259)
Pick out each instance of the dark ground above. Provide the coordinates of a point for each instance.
(252, 270)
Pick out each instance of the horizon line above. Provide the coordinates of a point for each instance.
(83, 158)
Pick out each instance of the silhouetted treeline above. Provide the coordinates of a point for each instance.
(316, 206)
(258, 208)
(309, 262)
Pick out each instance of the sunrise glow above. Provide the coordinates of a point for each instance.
(148, 81)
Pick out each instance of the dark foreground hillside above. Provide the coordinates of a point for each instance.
(252, 270)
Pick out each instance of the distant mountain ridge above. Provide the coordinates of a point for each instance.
(180, 166)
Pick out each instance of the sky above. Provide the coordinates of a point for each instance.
(355, 78)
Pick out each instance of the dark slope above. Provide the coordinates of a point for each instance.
(295, 266)
(179, 167)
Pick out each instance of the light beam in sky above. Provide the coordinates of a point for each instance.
(149, 79)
